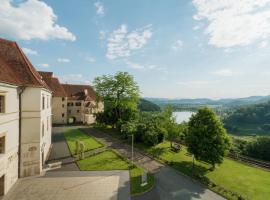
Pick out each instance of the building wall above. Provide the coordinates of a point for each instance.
(72, 111)
(36, 130)
(59, 110)
(9, 128)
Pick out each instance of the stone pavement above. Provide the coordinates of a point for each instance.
(170, 185)
(60, 150)
(73, 185)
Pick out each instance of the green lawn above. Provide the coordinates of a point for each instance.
(75, 134)
(108, 160)
(250, 182)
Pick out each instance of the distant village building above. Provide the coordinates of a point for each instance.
(71, 103)
(81, 103)
(25, 117)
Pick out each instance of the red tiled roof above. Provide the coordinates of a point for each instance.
(53, 83)
(77, 92)
(16, 68)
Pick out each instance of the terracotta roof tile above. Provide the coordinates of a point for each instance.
(16, 67)
(80, 92)
(53, 83)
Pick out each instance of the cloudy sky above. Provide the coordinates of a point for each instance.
(174, 49)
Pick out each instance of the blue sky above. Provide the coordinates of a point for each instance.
(174, 49)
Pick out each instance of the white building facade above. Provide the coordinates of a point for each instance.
(25, 117)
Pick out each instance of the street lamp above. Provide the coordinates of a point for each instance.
(132, 152)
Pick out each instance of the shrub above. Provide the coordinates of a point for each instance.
(260, 148)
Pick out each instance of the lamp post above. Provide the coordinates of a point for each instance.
(132, 151)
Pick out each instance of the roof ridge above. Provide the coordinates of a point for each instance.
(30, 68)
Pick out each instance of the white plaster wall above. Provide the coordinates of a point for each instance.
(74, 108)
(9, 127)
(33, 142)
(58, 110)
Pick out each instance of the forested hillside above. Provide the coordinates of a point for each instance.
(148, 106)
(252, 119)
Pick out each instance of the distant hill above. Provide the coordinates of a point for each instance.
(250, 119)
(205, 101)
(148, 106)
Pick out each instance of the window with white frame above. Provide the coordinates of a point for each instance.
(2, 103)
(48, 123)
(43, 102)
(42, 129)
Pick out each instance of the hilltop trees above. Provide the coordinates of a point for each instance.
(207, 140)
(120, 95)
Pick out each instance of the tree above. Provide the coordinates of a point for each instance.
(206, 139)
(173, 132)
(259, 148)
(120, 94)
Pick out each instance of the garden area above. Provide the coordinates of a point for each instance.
(197, 149)
(106, 160)
(90, 143)
(246, 181)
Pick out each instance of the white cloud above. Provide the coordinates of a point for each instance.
(135, 65)
(263, 44)
(224, 72)
(102, 35)
(74, 78)
(196, 27)
(99, 8)
(43, 65)
(122, 43)
(90, 59)
(177, 45)
(29, 51)
(31, 19)
(63, 60)
(234, 22)
(146, 67)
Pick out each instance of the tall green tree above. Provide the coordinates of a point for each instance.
(206, 139)
(120, 94)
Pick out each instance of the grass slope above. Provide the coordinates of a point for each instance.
(109, 160)
(106, 160)
(250, 182)
(74, 134)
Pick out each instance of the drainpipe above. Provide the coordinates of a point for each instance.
(20, 91)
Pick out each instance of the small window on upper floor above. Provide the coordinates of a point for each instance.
(2, 104)
(43, 102)
(63, 98)
(2, 144)
(48, 101)
(48, 123)
(42, 129)
(78, 104)
(78, 111)
(63, 105)
(63, 114)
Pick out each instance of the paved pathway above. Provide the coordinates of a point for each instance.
(170, 185)
(73, 185)
(60, 150)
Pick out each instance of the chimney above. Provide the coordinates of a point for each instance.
(85, 92)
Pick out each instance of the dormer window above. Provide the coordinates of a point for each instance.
(2, 104)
